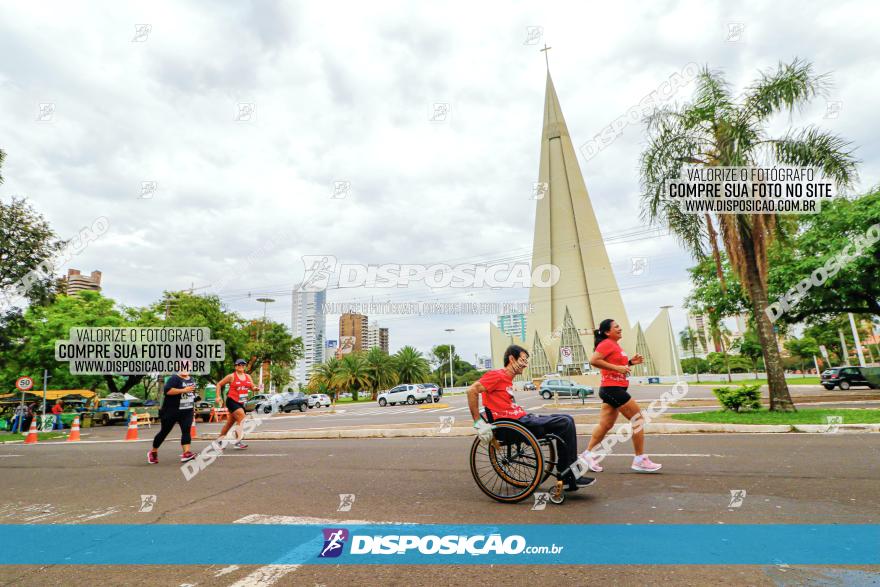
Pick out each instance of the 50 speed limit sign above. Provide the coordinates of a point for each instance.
(24, 383)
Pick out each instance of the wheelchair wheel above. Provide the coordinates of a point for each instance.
(509, 468)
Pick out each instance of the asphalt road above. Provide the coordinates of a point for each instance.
(370, 414)
(793, 478)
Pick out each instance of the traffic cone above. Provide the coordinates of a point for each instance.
(74, 431)
(132, 433)
(32, 433)
(192, 430)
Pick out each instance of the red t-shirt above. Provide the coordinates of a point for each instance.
(238, 388)
(56, 409)
(615, 355)
(498, 396)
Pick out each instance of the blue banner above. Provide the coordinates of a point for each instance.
(521, 544)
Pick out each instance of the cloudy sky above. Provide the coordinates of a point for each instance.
(245, 115)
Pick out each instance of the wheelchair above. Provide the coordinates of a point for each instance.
(516, 462)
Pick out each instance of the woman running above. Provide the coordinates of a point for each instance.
(614, 364)
(239, 384)
(177, 408)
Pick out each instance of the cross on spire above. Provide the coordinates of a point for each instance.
(544, 51)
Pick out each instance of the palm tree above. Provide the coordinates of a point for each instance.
(411, 366)
(688, 339)
(352, 374)
(322, 377)
(381, 369)
(717, 129)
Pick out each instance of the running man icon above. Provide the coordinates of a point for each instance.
(334, 540)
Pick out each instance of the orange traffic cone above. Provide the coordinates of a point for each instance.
(74, 431)
(132, 433)
(192, 430)
(32, 433)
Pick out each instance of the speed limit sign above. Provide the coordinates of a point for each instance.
(24, 383)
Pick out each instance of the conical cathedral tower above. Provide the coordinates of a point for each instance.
(567, 237)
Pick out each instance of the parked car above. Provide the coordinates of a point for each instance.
(409, 393)
(202, 410)
(251, 404)
(317, 400)
(433, 388)
(529, 386)
(563, 388)
(295, 400)
(846, 377)
(111, 411)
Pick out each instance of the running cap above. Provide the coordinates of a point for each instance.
(240, 362)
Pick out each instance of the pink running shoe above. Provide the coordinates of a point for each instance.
(187, 456)
(591, 462)
(153, 458)
(644, 465)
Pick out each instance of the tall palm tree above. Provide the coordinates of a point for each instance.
(717, 129)
(381, 369)
(352, 374)
(688, 339)
(411, 366)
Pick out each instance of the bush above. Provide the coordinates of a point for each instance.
(737, 398)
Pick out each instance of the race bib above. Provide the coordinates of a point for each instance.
(186, 400)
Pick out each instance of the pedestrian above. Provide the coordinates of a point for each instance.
(239, 384)
(615, 367)
(177, 408)
(57, 410)
(18, 420)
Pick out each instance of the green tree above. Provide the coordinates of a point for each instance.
(750, 347)
(41, 326)
(411, 366)
(689, 341)
(691, 365)
(802, 349)
(27, 246)
(381, 369)
(322, 378)
(716, 129)
(353, 374)
(820, 238)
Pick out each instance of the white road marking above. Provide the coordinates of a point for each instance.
(8, 456)
(226, 570)
(265, 576)
(269, 574)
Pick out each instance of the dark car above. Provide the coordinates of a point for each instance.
(529, 387)
(846, 377)
(297, 401)
(202, 410)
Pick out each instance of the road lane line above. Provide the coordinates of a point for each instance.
(226, 570)
(269, 574)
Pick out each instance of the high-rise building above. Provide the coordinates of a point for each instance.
(699, 323)
(513, 324)
(353, 325)
(307, 320)
(560, 327)
(76, 282)
(377, 337)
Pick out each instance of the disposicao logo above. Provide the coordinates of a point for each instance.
(334, 541)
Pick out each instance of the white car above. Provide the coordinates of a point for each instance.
(316, 400)
(404, 394)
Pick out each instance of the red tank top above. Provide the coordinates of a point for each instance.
(238, 388)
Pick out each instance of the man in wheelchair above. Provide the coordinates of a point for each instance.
(496, 388)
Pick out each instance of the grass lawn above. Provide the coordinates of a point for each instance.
(7, 437)
(803, 416)
(792, 380)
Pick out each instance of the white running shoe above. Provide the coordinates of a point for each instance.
(591, 462)
(645, 465)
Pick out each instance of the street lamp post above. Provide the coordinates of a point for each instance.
(265, 302)
(451, 375)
